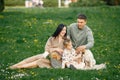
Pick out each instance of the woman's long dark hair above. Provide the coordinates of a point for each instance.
(58, 30)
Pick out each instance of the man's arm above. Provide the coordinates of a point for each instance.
(90, 40)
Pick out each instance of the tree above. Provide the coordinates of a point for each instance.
(112, 2)
(2, 6)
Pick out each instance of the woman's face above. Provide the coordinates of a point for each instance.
(63, 32)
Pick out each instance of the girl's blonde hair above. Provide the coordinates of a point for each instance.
(66, 42)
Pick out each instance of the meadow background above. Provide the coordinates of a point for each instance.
(24, 32)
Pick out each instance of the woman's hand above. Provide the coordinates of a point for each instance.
(59, 50)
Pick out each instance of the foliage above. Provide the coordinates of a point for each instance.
(14, 2)
(49, 3)
(24, 32)
(2, 5)
(54, 3)
(112, 2)
(88, 3)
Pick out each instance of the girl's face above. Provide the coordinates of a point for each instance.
(69, 46)
(63, 32)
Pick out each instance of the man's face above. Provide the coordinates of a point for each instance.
(81, 23)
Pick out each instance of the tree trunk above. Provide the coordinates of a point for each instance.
(2, 6)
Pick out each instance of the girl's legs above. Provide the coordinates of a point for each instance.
(63, 64)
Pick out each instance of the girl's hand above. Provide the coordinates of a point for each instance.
(80, 49)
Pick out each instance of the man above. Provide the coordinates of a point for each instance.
(82, 39)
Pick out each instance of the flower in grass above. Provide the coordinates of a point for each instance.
(64, 78)
(106, 49)
(117, 66)
(27, 23)
(1, 16)
(21, 71)
(107, 62)
(51, 79)
(60, 78)
(49, 21)
(16, 51)
(95, 78)
(35, 35)
(24, 40)
(19, 75)
(31, 72)
(35, 40)
(99, 72)
(34, 20)
(28, 46)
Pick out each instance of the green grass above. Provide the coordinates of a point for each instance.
(24, 32)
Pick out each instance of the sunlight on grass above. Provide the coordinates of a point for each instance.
(24, 32)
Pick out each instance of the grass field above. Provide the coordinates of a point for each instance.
(24, 32)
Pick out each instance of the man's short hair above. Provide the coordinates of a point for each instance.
(82, 16)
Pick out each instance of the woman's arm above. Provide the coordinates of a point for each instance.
(49, 47)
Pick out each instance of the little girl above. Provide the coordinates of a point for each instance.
(70, 58)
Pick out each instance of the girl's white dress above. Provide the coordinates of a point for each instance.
(68, 56)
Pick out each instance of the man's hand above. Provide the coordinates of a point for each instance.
(80, 49)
